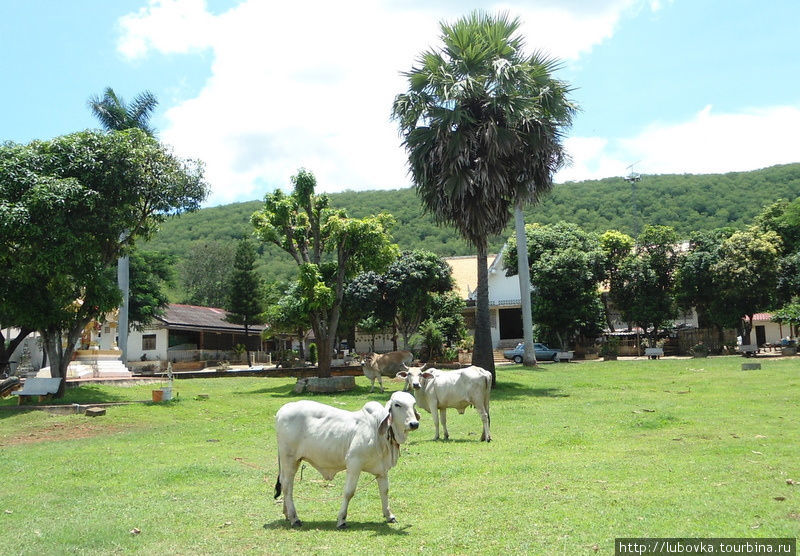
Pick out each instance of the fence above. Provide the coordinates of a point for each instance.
(231, 356)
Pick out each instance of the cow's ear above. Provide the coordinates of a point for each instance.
(426, 374)
(384, 426)
(417, 416)
(401, 374)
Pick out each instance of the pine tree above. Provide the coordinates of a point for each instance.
(246, 304)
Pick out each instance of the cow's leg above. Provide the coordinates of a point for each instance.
(383, 488)
(487, 436)
(349, 489)
(435, 416)
(443, 419)
(288, 471)
(372, 385)
(380, 381)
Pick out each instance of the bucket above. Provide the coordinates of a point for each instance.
(158, 395)
(167, 393)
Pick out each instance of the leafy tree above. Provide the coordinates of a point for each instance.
(696, 284)
(369, 293)
(747, 275)
(480, 122)
(410, 281)
(402, 295)
(566, 307)
(246, 303)
(151, 274)
(644, 287)
(789, 314)
(788, 277)
(206, 272)
(617, 247)
(304, 225)
(64, 205)
(783, 218)
(288, 314)
(446, 310)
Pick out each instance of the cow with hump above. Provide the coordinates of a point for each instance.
(375, 366)
(436, 391)
(333, 440)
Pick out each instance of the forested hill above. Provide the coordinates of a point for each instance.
(687, 202)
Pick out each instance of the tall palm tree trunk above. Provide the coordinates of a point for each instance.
(482, 355)
(524, 274)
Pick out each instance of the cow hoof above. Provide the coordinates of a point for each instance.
(391, 520)
(297, 524)
(341, 526)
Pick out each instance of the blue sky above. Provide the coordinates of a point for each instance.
(257, 89)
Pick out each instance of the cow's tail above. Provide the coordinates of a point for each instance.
(278, 482)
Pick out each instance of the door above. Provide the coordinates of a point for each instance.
(761, 335)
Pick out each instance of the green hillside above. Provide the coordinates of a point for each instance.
(687, 202)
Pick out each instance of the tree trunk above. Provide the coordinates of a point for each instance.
(301, 351)
(246, 342)
(523, 271)
(604, 297)
(323, 342)
(394, 336)
(747, 329)
(482, 355)
(7, 352)
(60, 356)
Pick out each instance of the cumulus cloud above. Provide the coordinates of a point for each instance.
(311, 83)
(708, 142)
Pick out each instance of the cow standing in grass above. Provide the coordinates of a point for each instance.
(375, 366)
(436, 390)
(332, 440)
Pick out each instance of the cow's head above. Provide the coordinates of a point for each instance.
(403, 416)
(415, 377)
(366, 360)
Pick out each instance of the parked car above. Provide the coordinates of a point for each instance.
(543, 353)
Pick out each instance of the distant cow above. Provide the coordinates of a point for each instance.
(332, 440)
(375, 366)
(438, 390)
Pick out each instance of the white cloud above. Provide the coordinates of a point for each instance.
(310, 83)
(706, 143)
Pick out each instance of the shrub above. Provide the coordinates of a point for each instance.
(312, 354)
(699, 350)
(610, 348)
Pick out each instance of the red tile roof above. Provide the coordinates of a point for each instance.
(762, 316)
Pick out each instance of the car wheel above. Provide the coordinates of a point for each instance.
(556, 358)
(517, 359)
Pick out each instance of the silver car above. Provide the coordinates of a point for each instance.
(543, 353)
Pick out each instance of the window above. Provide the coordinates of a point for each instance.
(148, 342)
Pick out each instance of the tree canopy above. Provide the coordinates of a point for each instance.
(64, 205)
(328, 248)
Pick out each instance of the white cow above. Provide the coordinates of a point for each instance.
(438, 390)
(332, 440)
(375, 365)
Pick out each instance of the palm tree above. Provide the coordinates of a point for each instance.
(115, 115)
(481, 122)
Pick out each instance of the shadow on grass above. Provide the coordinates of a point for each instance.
(381, 528)
(83, 395)
(287, 391)
(513, 390)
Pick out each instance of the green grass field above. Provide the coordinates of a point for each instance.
(582, 453)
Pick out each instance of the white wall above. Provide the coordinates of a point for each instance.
(135, 350)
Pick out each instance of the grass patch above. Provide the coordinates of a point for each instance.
(582, 453)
